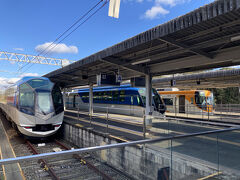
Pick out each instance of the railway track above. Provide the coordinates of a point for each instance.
(86, 166)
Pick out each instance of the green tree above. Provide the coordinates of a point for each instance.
(226, 95)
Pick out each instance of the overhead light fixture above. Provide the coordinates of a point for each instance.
(140, 62)
(235, 38)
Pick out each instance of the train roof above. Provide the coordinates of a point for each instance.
(182, 92)
(107, 88)
(27, 78)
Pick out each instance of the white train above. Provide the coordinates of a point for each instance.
(34, 105)
(124, 100)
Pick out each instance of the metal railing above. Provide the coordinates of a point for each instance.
(133, 116)
(172, 159)
(220, 113)
(119, 145)
(190, 114)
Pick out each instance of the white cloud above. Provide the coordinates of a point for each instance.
(159, 8)
(29, 74)
(170, 2)
(18, 49)
(155, 12)
(59, 48)
(5, 82)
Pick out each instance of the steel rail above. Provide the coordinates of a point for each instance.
(48, 168)
(105, 176)
(109, 146)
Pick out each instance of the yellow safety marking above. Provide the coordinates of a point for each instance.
(212, 175)
(79, 125)
(141, 134)
(109, 126)
(210, 138)
(115, 137)
(111, 116)
(4, 174)
(45, 168)
(200, 125)
(10, 145)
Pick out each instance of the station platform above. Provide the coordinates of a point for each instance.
(11, 171)
(130, 128)
(125, 128)
(201, 149)
(221, 117)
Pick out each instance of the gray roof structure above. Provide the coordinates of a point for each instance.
(208, 37)
(211, 79)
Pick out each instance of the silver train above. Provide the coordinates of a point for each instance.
(124, 100)
(34, 105)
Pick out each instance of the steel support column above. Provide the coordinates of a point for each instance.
(148, 108)
(64, 98)
(148, 85)
(90, 99)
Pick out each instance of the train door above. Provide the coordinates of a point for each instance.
(131, 105)
(182, 104)
(74, 101)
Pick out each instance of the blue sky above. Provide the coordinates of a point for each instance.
(27, 25)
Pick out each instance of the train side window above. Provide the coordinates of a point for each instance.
(115, 96)
(132, 100)
(122, 96)
(94, 97)
(104, 97)
(100, 95)
(139, 101)
(168, 101)
(26, 99)
(191, 100)
(109, 96)
(85, 97)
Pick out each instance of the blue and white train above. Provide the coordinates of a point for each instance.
(124, 100)
(34, 105)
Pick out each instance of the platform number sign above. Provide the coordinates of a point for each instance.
(107, 79)
(114, 6)
(173, 82)
(118, 78)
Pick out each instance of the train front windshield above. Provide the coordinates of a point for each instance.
(44, 102)
(158, 103)
(46, 97)
(210, 99)
(204, 100)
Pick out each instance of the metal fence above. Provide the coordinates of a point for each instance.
(191, 156)
(229, 113)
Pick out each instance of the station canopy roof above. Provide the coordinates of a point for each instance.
(210, 79)
(205, 38)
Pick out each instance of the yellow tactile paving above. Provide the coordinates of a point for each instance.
(157, 130)
(109, 126)
(11, 171)
(210, 176)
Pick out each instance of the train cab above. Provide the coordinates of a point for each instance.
(188, 101)
(35, 106)
(124, 100)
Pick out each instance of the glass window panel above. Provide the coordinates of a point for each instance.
(40, 83)
(44, 102)
(26, 99)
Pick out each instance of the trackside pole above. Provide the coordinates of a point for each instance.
(148, 108)
(90, 102)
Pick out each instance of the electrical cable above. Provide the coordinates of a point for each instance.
(73, 30)
(82, 17)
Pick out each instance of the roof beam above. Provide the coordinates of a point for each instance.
(184, 46)
(120, 63)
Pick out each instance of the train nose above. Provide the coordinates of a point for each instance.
(43, 117)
